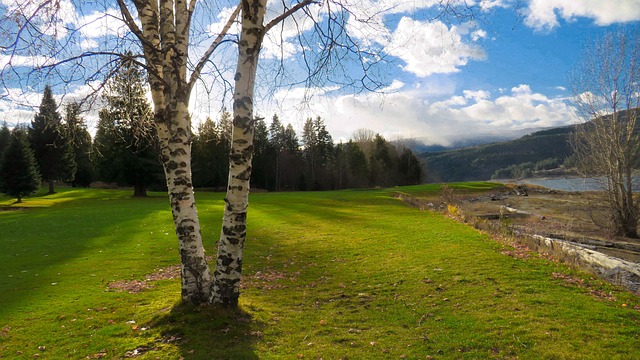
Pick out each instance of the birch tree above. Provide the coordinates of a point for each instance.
(160, 30)
(606, 84)
(333, 44)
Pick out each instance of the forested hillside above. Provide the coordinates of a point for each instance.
(481, 162)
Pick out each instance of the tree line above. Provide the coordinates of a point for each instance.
(125, 150)
(284, 161)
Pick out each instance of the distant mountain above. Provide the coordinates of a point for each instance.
(480, 162)
(422, 145)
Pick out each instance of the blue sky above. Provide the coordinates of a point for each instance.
(503, 73)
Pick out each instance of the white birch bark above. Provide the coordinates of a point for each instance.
(164, 35)
(226, 284)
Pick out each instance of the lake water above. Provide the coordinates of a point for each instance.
(572, 184)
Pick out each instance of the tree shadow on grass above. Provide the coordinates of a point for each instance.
(209, 332)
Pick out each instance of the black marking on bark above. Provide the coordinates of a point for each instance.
(238, 159)
(178, 152)
(226, 260)
(180, 195)
(244, 175)
(248, 151)
(184, 230)
(182, 181)
(241, 217)
(238, 76)
(243, 102)
(172, 165)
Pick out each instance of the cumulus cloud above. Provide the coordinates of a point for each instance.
(50, 18)
(101, 23)
(426, 47)
(486, 5)
(543, 15)
(26, 61)
(411, 112)
(432, 47)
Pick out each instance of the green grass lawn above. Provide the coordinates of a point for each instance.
(346, 274)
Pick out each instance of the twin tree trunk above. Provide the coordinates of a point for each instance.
(164, 36)
(226, 284)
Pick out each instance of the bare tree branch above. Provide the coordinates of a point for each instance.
(218, 40)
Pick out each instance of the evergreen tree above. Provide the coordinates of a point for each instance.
(202, 158)
(76, 132)
(291, 162)
(275, 151)
(18, 167)
(210, 155)
(5, 137)
(261, 166)
(358, 170)
(318, 151)
(225, 127)
(382, 162)
(409, 168)
(126, 141)
(52, 149)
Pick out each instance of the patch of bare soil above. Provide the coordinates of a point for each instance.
(136, 286)
(263, 280)
(569, 216)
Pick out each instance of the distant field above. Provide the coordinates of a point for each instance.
(346, 274)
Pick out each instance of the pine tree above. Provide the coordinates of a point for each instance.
(275, 151)
(318, 152)
(291, 162)
(210, 156)
(5, 137)
(260, 163)
(76, 132)
(51, 148)
(18, 167)
(126, 141)
(409, 168)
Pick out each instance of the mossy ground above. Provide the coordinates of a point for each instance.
(346, 274)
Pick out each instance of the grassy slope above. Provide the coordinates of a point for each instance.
(352, 274)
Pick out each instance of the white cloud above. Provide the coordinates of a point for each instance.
(543, 14)
(446, 48)
(222, 19)
(88, 44)
(49, 17)
(413, 112)
(432, 47)
(478, 34)
(102, 23)
(476, 95)
(19, 106)
(490, 4)
(27, 61)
